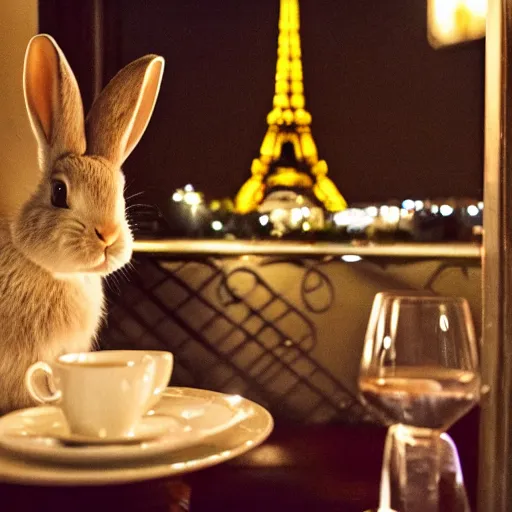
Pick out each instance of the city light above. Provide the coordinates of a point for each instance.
(473, 210)
(341, 219)
(296, 215)
(264, 220)
(188, 196)
(217, 225)
(418, 205)
(392, 215)
(446, 210)
(408, 204)
(287, 212)
(372, 211)
(192, 198)
(353, 218)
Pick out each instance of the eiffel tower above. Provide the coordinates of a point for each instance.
(288, 158)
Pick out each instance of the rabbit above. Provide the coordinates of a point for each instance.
(73, 230)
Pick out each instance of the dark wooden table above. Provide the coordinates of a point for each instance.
(328, 468)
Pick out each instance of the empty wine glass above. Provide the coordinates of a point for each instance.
(420, 370)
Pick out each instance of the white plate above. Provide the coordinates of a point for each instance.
(209, 427)
(37, 433)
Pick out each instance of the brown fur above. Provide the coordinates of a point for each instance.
(51, 297)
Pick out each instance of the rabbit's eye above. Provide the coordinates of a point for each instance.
(59, 194)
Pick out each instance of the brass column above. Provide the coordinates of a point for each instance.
(495, 457)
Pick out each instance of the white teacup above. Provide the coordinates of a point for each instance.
(102, 394)
(164, 364)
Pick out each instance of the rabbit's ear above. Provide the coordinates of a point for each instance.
(53, 100)
(121, 113)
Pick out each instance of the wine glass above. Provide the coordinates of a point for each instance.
(452, 493)
(419, 371)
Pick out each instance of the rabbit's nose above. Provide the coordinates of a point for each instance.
(108, 233)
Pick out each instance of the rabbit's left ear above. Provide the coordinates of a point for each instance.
(53, 101)
(121, 113)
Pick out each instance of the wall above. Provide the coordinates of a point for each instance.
(285, 332)
(18, 157)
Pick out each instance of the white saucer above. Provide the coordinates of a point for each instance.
(191, 417)
(149, 427)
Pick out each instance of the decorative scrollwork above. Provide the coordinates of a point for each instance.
(236, 333)
(442, 267)
(317, 290)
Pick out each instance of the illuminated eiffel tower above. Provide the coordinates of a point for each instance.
(288, 160)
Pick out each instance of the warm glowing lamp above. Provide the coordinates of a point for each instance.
(455, 21)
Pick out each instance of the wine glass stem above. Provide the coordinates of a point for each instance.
(418, 468)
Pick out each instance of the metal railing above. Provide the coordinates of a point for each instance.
(289, 248)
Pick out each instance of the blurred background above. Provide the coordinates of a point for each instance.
(392, 116)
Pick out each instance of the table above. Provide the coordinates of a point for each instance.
(332, 468)
(328, 468)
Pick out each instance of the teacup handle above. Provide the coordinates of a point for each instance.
(34, 387)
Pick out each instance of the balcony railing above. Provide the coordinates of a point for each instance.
(277, 247)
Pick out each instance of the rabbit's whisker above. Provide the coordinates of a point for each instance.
(125, 273)
(137, 194)
(111, 287)
(128, 185)
(131, 206)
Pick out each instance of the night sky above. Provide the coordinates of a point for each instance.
(392, 116)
